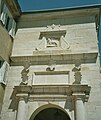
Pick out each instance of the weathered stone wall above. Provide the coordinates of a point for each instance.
(77, 35)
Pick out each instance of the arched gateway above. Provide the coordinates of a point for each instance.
(50, 112)
(78, 93)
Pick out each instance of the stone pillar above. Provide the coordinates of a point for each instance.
(79, 109)
(21, 115)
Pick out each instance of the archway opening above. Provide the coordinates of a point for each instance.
(52, 114)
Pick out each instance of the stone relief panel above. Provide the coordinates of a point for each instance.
(53, 37)
(52, 42)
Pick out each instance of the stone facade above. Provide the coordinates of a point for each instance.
(54, 68)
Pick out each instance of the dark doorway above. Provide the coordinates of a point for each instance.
(52, 114)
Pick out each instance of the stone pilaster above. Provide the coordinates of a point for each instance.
(80, 100)
(22, 107)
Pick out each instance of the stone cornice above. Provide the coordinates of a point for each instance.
(49, 14)
(60, 56)
(49, 92)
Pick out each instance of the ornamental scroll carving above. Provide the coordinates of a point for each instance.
(24, 74)
(77, 73)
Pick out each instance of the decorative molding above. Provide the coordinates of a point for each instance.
(60, 56)
(49, 92)
(53, 26)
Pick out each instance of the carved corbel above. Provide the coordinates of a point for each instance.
(51, 66)
(77, 74)
(24, 73)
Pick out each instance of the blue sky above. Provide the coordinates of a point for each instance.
(31, 5)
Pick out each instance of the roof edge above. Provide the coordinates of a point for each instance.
(63, 9)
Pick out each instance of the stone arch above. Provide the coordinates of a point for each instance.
(48, 106)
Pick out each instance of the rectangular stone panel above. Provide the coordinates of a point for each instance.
(51, 77)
